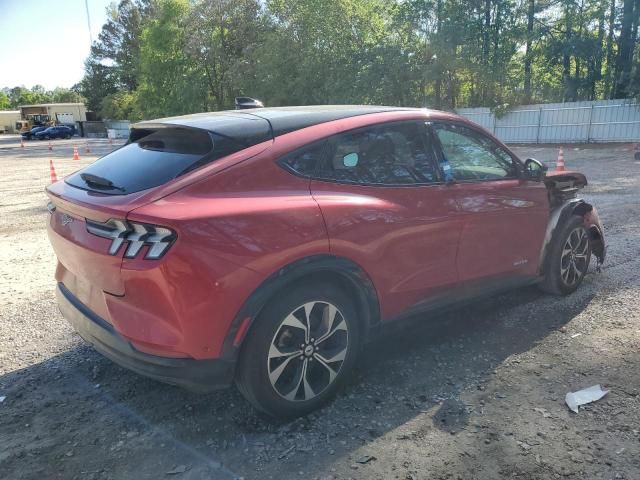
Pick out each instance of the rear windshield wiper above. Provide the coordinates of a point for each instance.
(99, 182)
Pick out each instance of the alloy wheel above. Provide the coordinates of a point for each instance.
(307, 351)
(574, 259)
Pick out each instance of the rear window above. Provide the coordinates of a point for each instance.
(152, 158)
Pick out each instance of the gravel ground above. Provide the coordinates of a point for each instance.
(472, 394)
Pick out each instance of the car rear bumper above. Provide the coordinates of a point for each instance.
(200, 375)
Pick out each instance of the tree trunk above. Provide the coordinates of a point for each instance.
(566, 57)
(595, 73)
(486, 32)
(437, 87)
(610, 40)
(625, 51)
(528, 57)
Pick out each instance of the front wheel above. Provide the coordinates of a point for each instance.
(568, 259)
(300, 350)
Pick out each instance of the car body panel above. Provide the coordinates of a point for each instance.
(406, 237)
(504, 225)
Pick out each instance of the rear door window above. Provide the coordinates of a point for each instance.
(386, 154)
(153, 159)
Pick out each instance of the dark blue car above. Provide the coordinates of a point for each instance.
(59, 131)
(32, 133)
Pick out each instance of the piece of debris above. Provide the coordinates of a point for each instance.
(177, 470)
(582, 397)
(543, 412)
(524, 445)
(3, 398)
(286, 452)
(366, 459)
(575, 335)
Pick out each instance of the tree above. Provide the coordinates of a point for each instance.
(120, 106)
(167, 57)
(5, 101)
(170, 82)
(626, 45)
(221, 36)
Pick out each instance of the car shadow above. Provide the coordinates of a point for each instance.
(78, 414)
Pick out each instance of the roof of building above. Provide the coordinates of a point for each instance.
(68, 104)
(260, 124)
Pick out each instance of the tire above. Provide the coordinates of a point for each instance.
(568, 259)
(312, 370)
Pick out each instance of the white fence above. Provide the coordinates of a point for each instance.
(577, 122)
(117, 129)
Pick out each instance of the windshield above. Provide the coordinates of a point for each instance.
(152, 159)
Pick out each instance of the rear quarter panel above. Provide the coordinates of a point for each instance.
(233, 231)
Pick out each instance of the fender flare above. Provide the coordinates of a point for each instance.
(368, 304)
(559, 214)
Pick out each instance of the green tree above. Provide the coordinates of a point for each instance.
(5, 101)
(120, 106)
(170, 82)
(221, 36)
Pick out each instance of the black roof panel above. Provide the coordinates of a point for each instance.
(257, 125)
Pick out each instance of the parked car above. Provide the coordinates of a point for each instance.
(266, 247)
(59, 131)
(32, 133)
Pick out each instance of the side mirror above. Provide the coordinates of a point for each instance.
(534, 170)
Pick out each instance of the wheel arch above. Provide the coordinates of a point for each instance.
(559, 215)
(331, 268)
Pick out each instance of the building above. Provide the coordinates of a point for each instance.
(64, 113)
(8, 119)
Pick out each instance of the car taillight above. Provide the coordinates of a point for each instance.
(137, 235)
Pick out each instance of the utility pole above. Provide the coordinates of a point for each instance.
(86, 6)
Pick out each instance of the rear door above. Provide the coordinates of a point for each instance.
(386, 207)
(505, 217)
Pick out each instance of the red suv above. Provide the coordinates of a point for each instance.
(266, 246)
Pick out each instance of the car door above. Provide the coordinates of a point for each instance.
(386, 208)
(505, 216)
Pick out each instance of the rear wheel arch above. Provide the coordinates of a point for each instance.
(348, 275)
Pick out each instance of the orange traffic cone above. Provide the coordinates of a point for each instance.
(50, 146)
(21, 143)
(76, 155)
(52, 171)
(636, 154)
(87, 149)
(560, 161)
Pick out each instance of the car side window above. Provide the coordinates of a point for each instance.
(305, 160)
(386, 154)
(469, 155)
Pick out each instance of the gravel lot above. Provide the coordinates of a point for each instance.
(473, 394)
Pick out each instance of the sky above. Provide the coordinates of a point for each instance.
(45, 42)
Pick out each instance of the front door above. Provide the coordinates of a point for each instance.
(505, 217)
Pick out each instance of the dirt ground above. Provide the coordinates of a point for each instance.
(472, 394)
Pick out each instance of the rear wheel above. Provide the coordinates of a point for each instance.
(301, 348)
(568, 259)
